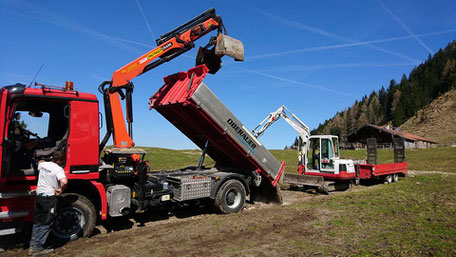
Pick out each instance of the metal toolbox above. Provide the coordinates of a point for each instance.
(190, 187)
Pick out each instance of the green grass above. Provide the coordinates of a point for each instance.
(414, 217)
(432, 159)
(165, 159)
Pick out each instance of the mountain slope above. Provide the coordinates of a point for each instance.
(401, 100)
(437, 121)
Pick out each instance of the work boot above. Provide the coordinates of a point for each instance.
(31, 251)
(43, 252)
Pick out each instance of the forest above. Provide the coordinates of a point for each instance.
(398, 102)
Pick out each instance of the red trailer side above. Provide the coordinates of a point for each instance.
(367, 171)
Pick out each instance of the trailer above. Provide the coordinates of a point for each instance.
(388, 172)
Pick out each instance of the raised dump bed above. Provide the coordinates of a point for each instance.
(196, 111)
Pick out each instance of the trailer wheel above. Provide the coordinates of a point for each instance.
(75, 218)
(395, 177)
(230, 197)
(388, 179)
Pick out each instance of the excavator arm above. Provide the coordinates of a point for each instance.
(169, 46)
(283, 112)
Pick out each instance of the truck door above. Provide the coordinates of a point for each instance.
(327, 155)
(3, 124)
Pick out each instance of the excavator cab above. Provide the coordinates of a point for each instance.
(322, 153)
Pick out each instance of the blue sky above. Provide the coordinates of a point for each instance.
(316, 57)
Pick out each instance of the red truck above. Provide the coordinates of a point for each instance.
(116, 181)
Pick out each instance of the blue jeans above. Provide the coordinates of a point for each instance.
(43, 219)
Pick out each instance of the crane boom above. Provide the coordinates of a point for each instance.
(169, 46)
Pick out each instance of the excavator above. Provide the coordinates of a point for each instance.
(319, 164)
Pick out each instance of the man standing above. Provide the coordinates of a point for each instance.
(51, 183)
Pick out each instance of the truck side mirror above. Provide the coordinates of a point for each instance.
(35, 114)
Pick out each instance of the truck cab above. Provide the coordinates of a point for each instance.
(321, 155)
(34, 123)
(37, 122)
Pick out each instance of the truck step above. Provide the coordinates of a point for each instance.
(9, 231)
(16, 194)
(13, 214)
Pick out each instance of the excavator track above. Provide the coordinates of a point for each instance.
(316, 182)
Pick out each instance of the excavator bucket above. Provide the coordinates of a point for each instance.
(229, 46)
(224, 45)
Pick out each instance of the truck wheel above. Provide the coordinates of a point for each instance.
(230, 197)
(395, 177)
(75, 218)
(388, 179)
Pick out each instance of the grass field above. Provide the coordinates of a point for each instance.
(413, 217)
(431, 159)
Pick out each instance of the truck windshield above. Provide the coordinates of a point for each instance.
(38, 125)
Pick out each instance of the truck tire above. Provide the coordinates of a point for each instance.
(395, 177)
(75, 217)
(230, 197)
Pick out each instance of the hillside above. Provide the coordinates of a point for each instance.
(437, 121)
(400, 101)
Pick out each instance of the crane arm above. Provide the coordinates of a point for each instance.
(169, 46)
